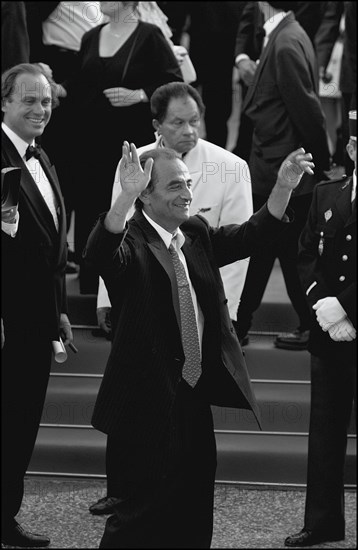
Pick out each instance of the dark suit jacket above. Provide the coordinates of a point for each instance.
(284, 108)
(34, 261)
(249, 36)
(36, 14)
(14, 36)
(137, 393)
(331, 218)
(250, 33)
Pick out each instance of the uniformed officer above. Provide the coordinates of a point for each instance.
(328, 270)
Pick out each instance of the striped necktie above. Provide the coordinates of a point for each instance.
(189, 329)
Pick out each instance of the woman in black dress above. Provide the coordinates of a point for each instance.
(120, 64)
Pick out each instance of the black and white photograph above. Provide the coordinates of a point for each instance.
(178, 275)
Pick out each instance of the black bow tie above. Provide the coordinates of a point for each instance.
(33, 151)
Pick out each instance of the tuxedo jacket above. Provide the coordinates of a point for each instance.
(284, 108)
(327, 261)
(144, 368)
(34, 261)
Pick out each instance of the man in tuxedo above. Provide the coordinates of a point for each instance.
(34, 309)
(328, 269)
(175, 351)
(286, 113)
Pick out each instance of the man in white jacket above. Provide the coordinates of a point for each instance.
(221, 180)
(221, 187)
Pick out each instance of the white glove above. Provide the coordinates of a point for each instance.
(343, 331)
(329, 312)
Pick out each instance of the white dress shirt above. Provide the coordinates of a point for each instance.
(270, 24)
(268, 27)
(178, 243)
(39, 177)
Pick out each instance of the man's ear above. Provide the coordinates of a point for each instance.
(144, 196)
(352, 150)
(3, 105)
(156, 125)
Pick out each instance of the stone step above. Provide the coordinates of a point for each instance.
(266, 361)
(275, 313)
(271, 317)
(284, 405)
(92, 353)
(247, 457)
(262, 358)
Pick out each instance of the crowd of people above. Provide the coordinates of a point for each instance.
(177, 236)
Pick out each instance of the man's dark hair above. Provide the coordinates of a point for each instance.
(8, 80)
(155, 154)
(161, 97)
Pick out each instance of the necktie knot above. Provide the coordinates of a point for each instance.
(173, 242)
(33, 151)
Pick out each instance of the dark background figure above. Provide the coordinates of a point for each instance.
(249, 40)
(15, 44)
(327, 265)
(212, 28)
(120, 64)
(34, 308)
(325, 40)
(36, 14)
(285, 110)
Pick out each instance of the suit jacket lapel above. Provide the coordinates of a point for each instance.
(264, 56)
(197, 263)
(61, 213)
(29, 188)
(162, 254)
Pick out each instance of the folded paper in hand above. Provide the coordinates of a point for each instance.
(59, 351)
(10, 188)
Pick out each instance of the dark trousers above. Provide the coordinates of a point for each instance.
(167, 491)
(217, 91)
(333, 383)
(26, 362)
(261, 264)
(246, 129)
(94, 183)
(212, 57)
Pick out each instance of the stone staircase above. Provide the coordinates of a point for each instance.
(277, 455)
